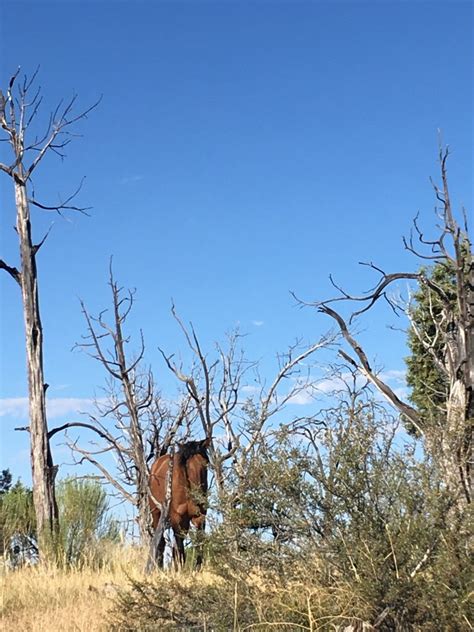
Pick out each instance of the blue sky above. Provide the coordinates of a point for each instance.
(241, 150)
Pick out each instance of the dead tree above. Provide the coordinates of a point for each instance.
(132, 422)
(18, 111)
(234, 420)
(450, 442)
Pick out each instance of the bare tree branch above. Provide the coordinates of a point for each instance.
(145, 426)
(86, 456)
(13, 272)
(365, 368)
(64, 205)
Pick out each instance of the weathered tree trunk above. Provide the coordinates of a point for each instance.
(142, 485)
(17, 112)
(450, 445)
(43, 472)
(470, 376)
(459, 349)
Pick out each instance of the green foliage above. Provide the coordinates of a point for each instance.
(434, 322)
(5, 481)
(428, 383)
(17, 520)
(84, 522)
(336, 520)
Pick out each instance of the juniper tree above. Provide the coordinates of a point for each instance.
(445, 339)
(425, 375)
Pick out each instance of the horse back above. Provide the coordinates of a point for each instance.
(179, 489)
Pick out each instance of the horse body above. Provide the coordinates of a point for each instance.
(188, 494)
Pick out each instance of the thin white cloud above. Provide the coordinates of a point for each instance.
(130, 179)
(59, 387)
(309, 392)
(250, 389)
(258, 323)
(393, 375)
(333, 384)
(60, 406)
(302, 398)
(329, 385)
(402, 393)
(17, 407)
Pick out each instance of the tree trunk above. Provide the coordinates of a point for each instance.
(454, 446)
(43, 472)
(144, 513)
(136, 438)
(470, 375)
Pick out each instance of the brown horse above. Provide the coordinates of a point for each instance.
(188, 495)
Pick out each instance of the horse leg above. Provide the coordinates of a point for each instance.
(160, 551)
(200, 543)
(157, 546)
(174, 555)
(180, 553)
(200, 523)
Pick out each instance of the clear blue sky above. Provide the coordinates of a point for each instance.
(241, 150)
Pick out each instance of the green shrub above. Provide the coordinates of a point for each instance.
(352, 525)
(17, 522)
(85, 525)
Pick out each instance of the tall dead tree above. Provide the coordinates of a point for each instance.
(18, 110)
(450, 440)
(131, 422)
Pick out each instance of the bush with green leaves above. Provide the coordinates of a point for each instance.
(85, 525)
(342, 518)
(17, 522)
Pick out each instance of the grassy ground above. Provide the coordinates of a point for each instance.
(48, 599)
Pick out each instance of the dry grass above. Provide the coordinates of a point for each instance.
(45, 598)
(48, 599)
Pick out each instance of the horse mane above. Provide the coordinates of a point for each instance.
(191, 448)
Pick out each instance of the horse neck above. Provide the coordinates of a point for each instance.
(193, 471)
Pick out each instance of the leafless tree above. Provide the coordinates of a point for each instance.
(132, 422)
(18, 111)
(450, 442)
(234, 419)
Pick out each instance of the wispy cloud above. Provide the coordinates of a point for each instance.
(132, 178)
(402, 393)
(60, 406)
(251, 389)
(302, 398)
(308, 392)
(258, 323)
(59, 387)
(330, 385)
(17, 407)
(393, 375)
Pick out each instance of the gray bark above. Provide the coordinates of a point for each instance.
(43, 471)
(17, 112)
